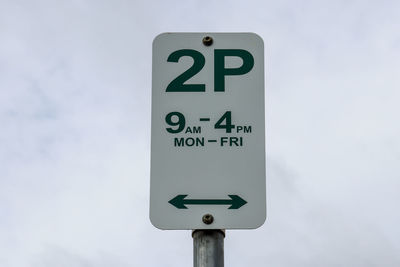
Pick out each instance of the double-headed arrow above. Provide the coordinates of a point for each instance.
(179, 202)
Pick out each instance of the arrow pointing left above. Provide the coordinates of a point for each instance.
(180, 202)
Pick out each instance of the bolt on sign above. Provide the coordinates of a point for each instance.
(208, 131)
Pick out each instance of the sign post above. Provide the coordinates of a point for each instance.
(208, 248)
(208, 132)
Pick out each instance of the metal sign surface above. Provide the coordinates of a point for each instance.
(208, 131)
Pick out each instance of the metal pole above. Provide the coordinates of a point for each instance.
(208, 248)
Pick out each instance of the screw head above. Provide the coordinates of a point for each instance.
(207, 41)
(208, 219)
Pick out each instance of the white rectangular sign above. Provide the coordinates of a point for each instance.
(208, 131)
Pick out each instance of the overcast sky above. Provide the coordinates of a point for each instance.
(75, 94)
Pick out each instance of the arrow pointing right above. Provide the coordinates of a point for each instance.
(235, 201)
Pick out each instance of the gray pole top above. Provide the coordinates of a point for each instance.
(208, 248)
